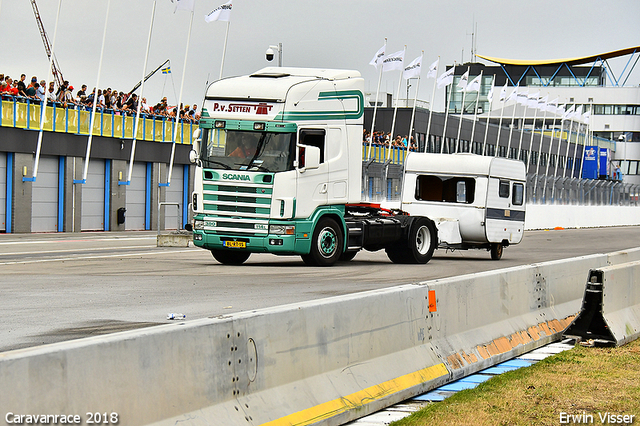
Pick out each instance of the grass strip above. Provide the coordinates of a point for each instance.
(589, 383)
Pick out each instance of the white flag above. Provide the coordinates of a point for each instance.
(394, 61)
(578, 114)
(523, 97)
(533, 100)
(552, 106)
(413, 69)
(490, 94)
(474, 86)
(514, 95)
(560, 110)
(568, 114)
(221, 13)
(542, 103)
(184, 5)
(433, 69)
(446, 78)
(586, 116)
(378, 57)
(462, 84)
(503, 92)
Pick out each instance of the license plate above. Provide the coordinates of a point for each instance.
(235, 244)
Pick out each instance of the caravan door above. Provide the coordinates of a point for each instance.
(505, 210)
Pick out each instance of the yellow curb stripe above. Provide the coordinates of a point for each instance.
(358, 399)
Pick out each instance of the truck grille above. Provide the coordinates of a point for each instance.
(237, 209)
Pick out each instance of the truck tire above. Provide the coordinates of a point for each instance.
(496, 251)
(422, 240)
(326, 244)
(347, 256)
(230, 257)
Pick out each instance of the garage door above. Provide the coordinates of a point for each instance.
(44, 214)
(136, 198)
(93, 197)
(174, 195)
(3, 191)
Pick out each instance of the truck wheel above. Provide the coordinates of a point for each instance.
(422, 240)
(326, 244)
(347, 256)
(229, 257)
(496, 251)
(397, 253)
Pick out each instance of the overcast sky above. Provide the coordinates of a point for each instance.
(314, 33)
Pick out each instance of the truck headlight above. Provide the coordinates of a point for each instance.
(198, 225)
(282, 229)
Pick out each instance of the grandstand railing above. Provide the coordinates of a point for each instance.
(25, 114)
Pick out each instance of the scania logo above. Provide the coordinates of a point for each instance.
(230, 176)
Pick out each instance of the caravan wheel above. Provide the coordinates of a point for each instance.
(496, 251)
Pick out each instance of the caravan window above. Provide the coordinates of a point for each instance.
(518, 194)
(445, 189)
(503, 189)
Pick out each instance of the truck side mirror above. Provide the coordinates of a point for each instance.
(308, 157)
(194, 154)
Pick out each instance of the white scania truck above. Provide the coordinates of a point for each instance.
(279, 170)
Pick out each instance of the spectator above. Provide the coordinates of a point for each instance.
(145, 108)
(22, 88)
(100, 101)
(41, 92)
(51, 96)
(132, 104)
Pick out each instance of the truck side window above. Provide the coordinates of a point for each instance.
(313, 137)
(503, 189)
(518, 194)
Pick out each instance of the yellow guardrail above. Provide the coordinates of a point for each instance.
(380, 154)
(26, 115)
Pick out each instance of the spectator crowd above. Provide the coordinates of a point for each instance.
(106, 100)
(382, 139)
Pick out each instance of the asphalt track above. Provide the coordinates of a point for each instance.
(57, 287)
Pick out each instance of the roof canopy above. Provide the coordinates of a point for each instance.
(569, 61)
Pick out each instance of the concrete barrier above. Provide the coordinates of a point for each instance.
(319, 362)
(610, 313)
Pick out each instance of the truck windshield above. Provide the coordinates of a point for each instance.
(247, 150)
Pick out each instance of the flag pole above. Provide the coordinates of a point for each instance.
(524, 116)
(513, 117)
(137, 117)
(175, 128)
(224, 49)
(395, 110)
(43, 104)
(93, 108)
(546, 173)
(533, 128)
(446, 117)
(464, 92)
(375, 106)
(504, 99)
(486, 127)
(433, 94)
(413, 112)
(475, 114)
